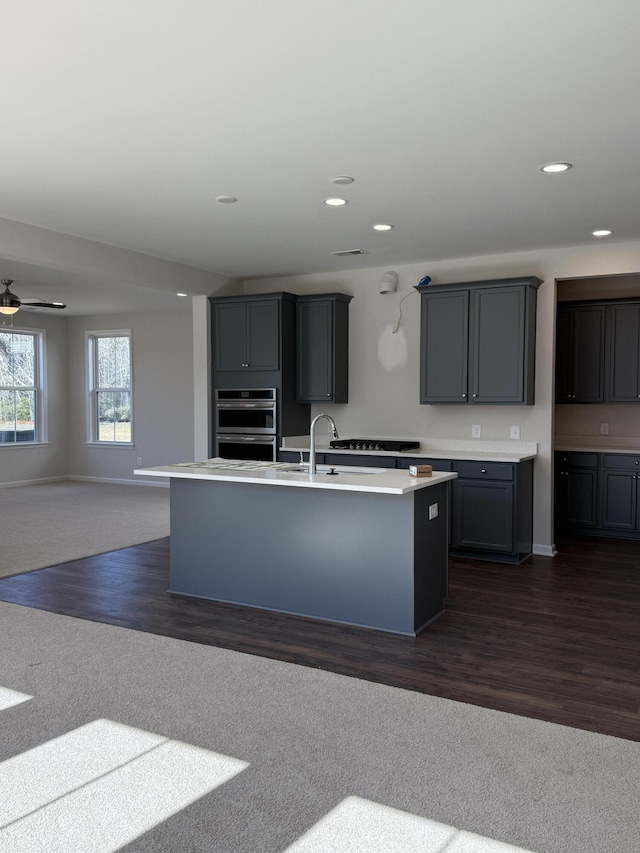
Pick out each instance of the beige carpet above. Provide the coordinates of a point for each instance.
(51, 523)
(146, 744)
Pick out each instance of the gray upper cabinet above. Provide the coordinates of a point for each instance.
(444, 344)
(624, 352)
(247, 334)
(598, 352)
(580, 353)
(477, 342)
(322, 348)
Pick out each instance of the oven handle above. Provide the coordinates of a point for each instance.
(245, 405)
(257, 438)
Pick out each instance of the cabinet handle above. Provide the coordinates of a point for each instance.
(464, 395)
(475, 395)
(637, 463)
(328, 395)
(484, 470)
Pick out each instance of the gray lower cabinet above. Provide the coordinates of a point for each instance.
(576, 502)
(483, 506)
(322, 348)
(597, 493)
(620, 477)
(477, 342)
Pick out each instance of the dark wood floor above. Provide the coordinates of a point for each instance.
(556, 639)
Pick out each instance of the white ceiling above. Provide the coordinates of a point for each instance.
(121, 122)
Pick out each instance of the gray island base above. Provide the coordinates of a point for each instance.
(355, 557)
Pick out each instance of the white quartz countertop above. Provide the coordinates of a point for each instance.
(386, 481)
(476, 450)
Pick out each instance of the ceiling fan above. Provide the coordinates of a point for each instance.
(10, 303)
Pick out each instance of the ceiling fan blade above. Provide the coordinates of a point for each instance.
(42, 304)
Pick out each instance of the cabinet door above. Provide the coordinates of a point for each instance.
(314, 335)
(483, 515)
(263, 335)
(497, 345)
(581, 485)
(564, 354)
(619, 500)
(444, 342)
(588, 353)
(624, 353)
(231, 335)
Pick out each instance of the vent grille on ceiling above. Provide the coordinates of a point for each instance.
(343, 252)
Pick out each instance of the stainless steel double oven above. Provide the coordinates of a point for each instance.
(246, 423)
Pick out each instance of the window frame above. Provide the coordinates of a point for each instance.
(93, 389)
(39, 362)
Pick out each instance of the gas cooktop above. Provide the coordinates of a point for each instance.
(374, 444)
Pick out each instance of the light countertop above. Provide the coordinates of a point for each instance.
(459, 449)
(387, 481)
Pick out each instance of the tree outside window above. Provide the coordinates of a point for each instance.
(18, 387)
(112, 387)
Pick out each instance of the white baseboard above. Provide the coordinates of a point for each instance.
(32, 482)
(162, 484)
(545, 550)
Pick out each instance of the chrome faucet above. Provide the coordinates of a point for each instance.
(312, 439)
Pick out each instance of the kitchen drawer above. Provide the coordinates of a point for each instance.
(485, 470)
(620, 460)
(436, 464)
(577, 460)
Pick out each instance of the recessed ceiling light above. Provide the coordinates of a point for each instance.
(181, 294)
(602, 232)
(335, 202)
(226, 199)
(381, 226)
(555, 168)
(342, 179)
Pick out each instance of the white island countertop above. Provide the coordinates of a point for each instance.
(386, 481)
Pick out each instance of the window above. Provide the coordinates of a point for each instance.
(110, 387)
(20, 391)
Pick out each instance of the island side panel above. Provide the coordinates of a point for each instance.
(431, 553)
(344, 556)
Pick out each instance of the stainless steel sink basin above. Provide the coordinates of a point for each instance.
(332, 470)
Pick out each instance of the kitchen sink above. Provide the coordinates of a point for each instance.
(332, 470)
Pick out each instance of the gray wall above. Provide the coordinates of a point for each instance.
(163, 395)
(50, 460)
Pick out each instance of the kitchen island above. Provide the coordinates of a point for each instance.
(355, 547)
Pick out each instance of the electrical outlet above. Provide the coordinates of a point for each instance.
(476, 431)
(433, 511)
(139, 460)
(514, 432)
(604, 429)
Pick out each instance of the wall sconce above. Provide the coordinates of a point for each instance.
(389, 282)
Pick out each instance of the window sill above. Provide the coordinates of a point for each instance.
(126, 444)
(5, 445)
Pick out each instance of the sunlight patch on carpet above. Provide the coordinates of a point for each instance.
(360, 826)
(101, 786)
(9, 698)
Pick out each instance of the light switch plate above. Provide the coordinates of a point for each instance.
(476, 431)
(433, 511)
(514, 432)
(604, 429)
